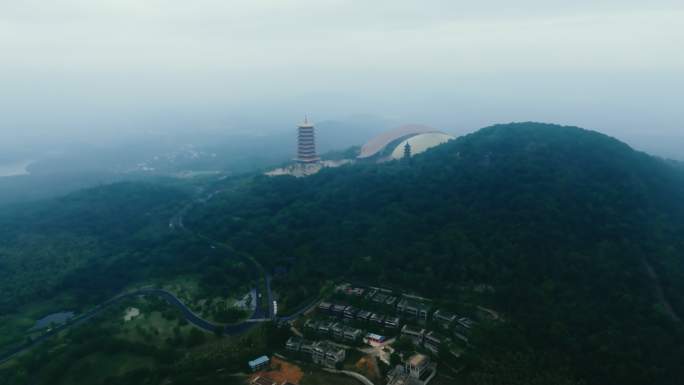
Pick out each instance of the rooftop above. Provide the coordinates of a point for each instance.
(259, 361)
(418, 360)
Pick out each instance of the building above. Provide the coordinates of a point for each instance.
(352, 334)
(417, 370)
(338, 330)
(414, 309)
(306, 143)
(324, 327)
(350, 313)
(416, 365)
(380, 298)
(307, 347)
(444, 317)
(294, 344)
(259, 363)
(433, 341)
(364, 315)
(311, 325)
(392, 322)
(328, 354)
(392, 144)
(378, 319)
(325, 306)
(338, 310)
(323, 353)
(372, 338)
(415, 334)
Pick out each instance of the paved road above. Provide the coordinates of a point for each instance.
(260, 313)
(169, 297)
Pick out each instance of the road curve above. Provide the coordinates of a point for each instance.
(188, 314)
(175, 223)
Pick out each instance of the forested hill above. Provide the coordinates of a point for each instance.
(560, 221)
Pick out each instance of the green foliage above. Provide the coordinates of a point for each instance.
(557, 220)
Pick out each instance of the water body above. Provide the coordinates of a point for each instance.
(54, 318)
(14, 168)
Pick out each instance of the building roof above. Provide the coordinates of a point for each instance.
(418, 360)
(377, 144)
(259, 361)
(420, 143)
(374, 336)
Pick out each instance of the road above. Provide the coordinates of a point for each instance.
(188, 314)
(260, 313)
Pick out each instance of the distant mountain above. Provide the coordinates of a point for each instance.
(562, 223)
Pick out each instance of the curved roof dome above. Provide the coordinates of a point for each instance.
(377, 144)
(420, 143)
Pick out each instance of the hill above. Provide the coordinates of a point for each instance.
(561, 223)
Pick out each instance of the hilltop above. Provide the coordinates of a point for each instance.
(560, 222)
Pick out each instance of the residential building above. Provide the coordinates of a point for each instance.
(392, 322)
(328, 354)
(294, 344)
(338, 310)
(324, 306)
(380, 298)
(414, 309)
(338, 330)
(444, 317)
(311, 324)
(307, 346)
(364, 315)
(378, 319)
(350, 313)
(324, 327)
(415, 334)
(352, 334)
(433, 341)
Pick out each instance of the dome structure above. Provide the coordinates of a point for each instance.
(391, 144)
(420, 143)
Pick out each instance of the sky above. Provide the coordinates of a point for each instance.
(104, 69)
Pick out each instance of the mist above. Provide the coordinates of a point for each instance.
(110, 72)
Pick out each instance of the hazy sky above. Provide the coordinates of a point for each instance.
(87, 68)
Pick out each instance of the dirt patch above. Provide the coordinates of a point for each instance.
(368, 366)
(282, 371)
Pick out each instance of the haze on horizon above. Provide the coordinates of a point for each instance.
(100, 70)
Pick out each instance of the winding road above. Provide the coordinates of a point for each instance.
(176, 223)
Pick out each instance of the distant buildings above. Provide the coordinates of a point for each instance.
(324, 353)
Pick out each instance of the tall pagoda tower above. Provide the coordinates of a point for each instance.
(306, 143)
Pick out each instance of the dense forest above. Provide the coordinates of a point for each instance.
(77, 251)
(562, 224)
(573, 236)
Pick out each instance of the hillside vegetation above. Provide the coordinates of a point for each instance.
(560, 222)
